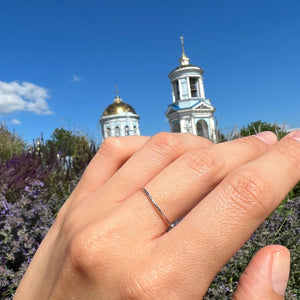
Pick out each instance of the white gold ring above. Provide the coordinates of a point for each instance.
(171, 225)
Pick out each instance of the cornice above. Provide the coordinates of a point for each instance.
(184, 69)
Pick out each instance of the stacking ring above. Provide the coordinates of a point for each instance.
(171, 225)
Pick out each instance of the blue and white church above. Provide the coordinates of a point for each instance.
(190, 111)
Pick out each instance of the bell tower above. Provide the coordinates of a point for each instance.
(190, 111)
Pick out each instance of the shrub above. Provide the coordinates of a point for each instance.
(43, 162)
(23, 225)
(18, 172)
(259, 126)
(254, 128)
(10, 144)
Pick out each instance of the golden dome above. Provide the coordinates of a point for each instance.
(118, 107)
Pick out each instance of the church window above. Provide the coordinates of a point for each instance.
(194, 86)
(117, 131)
(108, 131)
(126, 130)
(176, 89)
(176, 127)
(202, 129)
(134, 130)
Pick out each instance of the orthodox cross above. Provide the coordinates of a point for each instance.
(182, 45)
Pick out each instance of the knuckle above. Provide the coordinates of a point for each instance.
(78, 252)
(92, 248)
(165, 142)
(248, 193)
(290, 150)
(86, 254)
(110, 146)
(251, 144)
(202, 162)
(204, 141)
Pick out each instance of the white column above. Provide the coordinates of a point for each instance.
(194, 130)
(173, 84)
(212, 129)
(180, 90)
(202, 94)
(188, 87)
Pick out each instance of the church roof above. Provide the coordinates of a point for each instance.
(198, 106)
(118, 107)
(182, 67)
(176, 107)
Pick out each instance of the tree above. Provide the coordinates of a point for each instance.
(76, 148)
(63, 142)
(259, 126)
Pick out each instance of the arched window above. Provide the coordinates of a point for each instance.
(176, 127)
(117, 131)
(176, 89)
(126, 130)
(134, 131)
(108, 131)
(202, 129)
(194, 87)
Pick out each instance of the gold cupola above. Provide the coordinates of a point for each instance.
(118, 107)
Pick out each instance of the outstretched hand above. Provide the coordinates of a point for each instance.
(109, 241)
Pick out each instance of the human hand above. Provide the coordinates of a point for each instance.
(109, 242)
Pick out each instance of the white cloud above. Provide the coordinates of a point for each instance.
(23, 96)
(76, 78)
(16, 121)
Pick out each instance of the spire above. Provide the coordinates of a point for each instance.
(184, 60)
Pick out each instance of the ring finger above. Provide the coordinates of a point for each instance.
(180, 186)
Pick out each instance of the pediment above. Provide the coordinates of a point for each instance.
(203, 106)
(170, 110)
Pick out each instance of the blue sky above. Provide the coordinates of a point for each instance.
(60, 61)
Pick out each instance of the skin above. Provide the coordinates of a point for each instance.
(109, 242)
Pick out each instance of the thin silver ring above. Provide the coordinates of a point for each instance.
(171, 225)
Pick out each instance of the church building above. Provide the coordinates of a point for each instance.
(119, 119)
(190, 111)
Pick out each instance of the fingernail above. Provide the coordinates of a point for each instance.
(280, 271)
(295, 135)
(267, 137)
